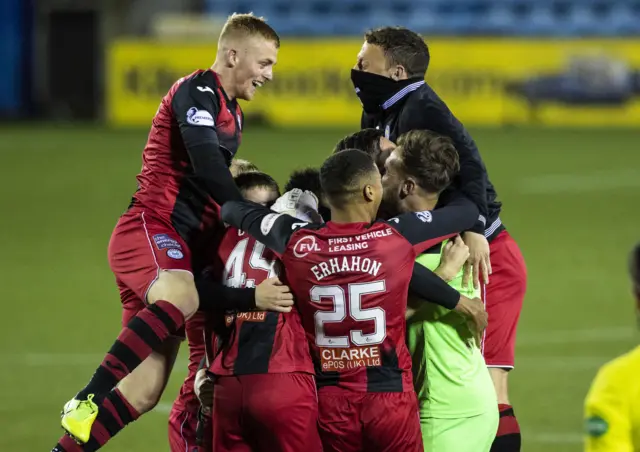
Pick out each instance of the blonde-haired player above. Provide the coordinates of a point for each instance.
(155, 247)
(240, 166)
(612, 406)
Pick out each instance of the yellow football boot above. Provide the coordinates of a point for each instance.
(78, 417)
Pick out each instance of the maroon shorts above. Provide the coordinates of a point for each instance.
(141, 246)
(375, 422)
(183, 425)
(503, 298)
(266, 413)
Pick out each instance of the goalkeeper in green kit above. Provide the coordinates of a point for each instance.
(457, 399)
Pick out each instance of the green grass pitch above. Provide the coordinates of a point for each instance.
(571, 199)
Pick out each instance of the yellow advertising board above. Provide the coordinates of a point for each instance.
(484, 81)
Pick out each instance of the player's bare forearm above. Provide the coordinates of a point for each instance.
(429, 287)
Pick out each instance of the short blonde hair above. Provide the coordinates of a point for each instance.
(248, 25)
(240, 166)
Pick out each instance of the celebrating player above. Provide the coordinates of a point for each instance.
(350, 278)
(373, 142)
(611, 407)
(184, 178)
(263, 368)
(455, 393)
(241, 166)
(270, 294)
(389, 80)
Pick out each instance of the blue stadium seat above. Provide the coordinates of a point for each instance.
(449, 17)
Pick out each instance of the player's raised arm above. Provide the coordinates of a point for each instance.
(195, 105)
(267, 226)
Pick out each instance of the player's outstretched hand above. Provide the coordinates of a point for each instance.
(479, 262)
(454, 256)
(474, 310)
(272, 295)
(203, 387)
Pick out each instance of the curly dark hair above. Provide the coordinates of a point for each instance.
(430, 158)
(403, 47)
(366, 140)
(305, 179)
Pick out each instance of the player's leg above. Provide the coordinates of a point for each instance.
(139, 391)
(391, 423)
(267, 397)
(472, 434)
(152, 260)
(183, 426)
(228, 433)
(504, 297)
(116, 414)
(339, 422)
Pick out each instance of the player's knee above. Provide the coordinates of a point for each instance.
(500, 378)
(178, 288)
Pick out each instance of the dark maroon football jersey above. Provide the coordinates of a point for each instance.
(195, 109)
(260, 342)
(350, 282)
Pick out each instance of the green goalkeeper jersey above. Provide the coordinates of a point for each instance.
(450, 376)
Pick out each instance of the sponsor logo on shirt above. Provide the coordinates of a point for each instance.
(305, 245)
(267, 222)
(164, 241)
(206, 89)
(336, 359)
(197, 117)
(424, 216)
(253, 316)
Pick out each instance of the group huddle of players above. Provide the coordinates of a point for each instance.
(310, 326)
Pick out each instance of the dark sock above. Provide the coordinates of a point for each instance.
(144, 334)
(114, 414)
(66, 444)
(508, 438)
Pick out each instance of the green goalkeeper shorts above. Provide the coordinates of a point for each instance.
(471, 434)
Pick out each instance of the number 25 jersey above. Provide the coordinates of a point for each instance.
(350, 282)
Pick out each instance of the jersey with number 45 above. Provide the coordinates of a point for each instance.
(260, 342)
(350, 282)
